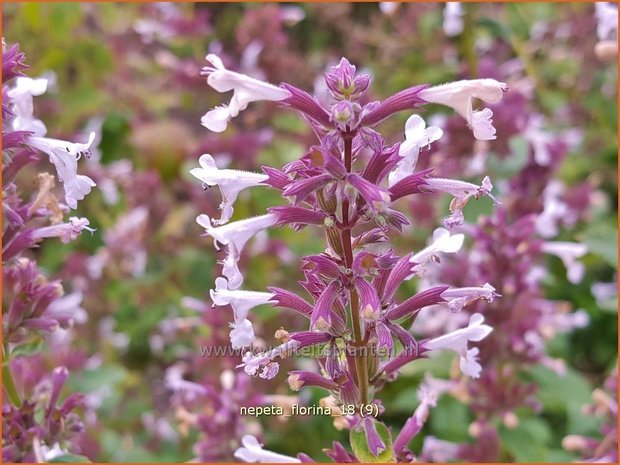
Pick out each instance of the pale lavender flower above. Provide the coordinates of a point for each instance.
(459, 297)
(439, 451)
(251, 363)
(235, 235)
(453, 19)
(459, 95)
(607, 18)
(292, 14)
(22, 107)
(442, 242)
(457, 341)
(417, 136)
(230, 182)
(389, 8)
(462, 192)
(253, 452)
(67, 232)
(568, 252)
(64, 156)
(242, 334)
(246, 90)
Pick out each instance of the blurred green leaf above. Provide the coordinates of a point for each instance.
(527, 442)
(70, 458)
(602, 240)
(449, 420)
(30, 348)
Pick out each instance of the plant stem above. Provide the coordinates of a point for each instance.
(7, 378)
(361, 366)
(468, 43)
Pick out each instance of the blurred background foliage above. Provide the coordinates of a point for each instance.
(120, 63)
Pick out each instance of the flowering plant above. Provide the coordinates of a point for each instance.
(348, 185)
(36, 424)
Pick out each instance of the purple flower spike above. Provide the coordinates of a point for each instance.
(307, 105)
(369, 300)
(412, 184)
(302, 189)
(374, 196)
(413, 304)
(401, 270)
(286, 299)
(297, 216)
(298, 379)
(344, 84)
(12, 62)
(277, 179)
(407, 99)
(59, 377)
(374, 441)
(321, 319)
(310, 338)
(347, 184)
(339, 454)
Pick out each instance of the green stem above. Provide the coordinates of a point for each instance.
(361, 365)
(7, 378)
(468, 44)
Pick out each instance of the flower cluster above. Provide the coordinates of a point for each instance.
(36, 424)
(510, 248)
(348, 185)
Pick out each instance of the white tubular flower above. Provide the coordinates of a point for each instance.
(417, 135)
(253, 452)
(459, 95)
(49, 454)
(292, 15)
(566, 322)
(462, 192)
(67, 232)
(173, 380)
(22, 107)
(554, 210)
(438, 450)
(443, 242)
(235, 235)
(242, 334)
(607, 18)
(64, 156)
(568, 252)
(69, 306)
(453, 19)
(253, 362)
(457, 342)
(246, 89)
(231, 182)
(388, 8)
(459, 297)
(428, 399)
(241, 301)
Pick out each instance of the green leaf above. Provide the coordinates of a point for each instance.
(525, 443)
(30, 348)
(567, 392)
(510, 166)
(450, 419)
(70, 458)
(90, 380)
(361, 450)
(602, 240)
